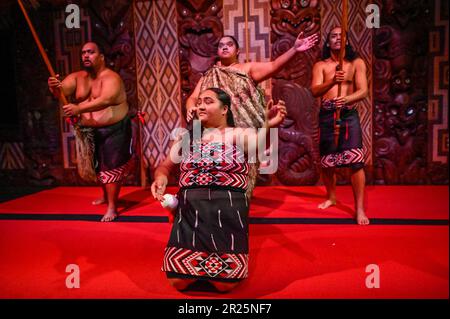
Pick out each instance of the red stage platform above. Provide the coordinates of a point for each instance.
(296, 250)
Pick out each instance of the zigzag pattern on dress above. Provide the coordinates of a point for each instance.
(203, 264)
(114, 175)
(351, 156)
(215, 164)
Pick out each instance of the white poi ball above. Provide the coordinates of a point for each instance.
(170, 202)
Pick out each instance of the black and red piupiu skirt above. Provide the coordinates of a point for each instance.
(209, 237)
(113, 151)
(349, 150)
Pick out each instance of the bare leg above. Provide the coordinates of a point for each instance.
(101, 200)
(329, 180)
(112, 194)
(358, 183)
(224, 286)
(180, 284)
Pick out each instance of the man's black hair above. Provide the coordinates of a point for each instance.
(350, 54)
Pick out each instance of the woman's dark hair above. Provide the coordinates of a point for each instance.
(350, 54)
(226, 101)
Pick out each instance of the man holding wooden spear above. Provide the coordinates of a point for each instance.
(341, 83)
(101, 103)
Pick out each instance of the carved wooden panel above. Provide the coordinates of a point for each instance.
(199, 30)
(400, 93)
(249, 22)
(438, 95)
(158, 76)
(298, 145)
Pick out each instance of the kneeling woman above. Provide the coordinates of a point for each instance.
(209, 237)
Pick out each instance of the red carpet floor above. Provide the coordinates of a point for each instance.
(430, 202)
(304, 260)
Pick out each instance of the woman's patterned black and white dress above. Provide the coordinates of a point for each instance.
(209, 237)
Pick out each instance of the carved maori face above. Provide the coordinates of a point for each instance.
(404, 116)
(109, 16)
(293, 16)
(111, 20)
(200, 26)
(398, 46)
(401, 81)
(404, 11)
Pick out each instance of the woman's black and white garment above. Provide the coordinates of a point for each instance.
(209, 237)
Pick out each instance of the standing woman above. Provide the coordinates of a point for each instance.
(241, 82)
(209, 236)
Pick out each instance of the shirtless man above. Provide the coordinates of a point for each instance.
(101, 104)
(349, 151)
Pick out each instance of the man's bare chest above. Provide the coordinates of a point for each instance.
(88, 89)
(329, 71)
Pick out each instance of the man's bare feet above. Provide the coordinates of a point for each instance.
(99, 201)
(327, 204)
(110, 215)
(362, 219)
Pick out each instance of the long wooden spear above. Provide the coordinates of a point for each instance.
(44, 55)
(83, 145)
(340, 66)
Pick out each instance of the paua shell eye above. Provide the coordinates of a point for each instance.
(410, 111)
